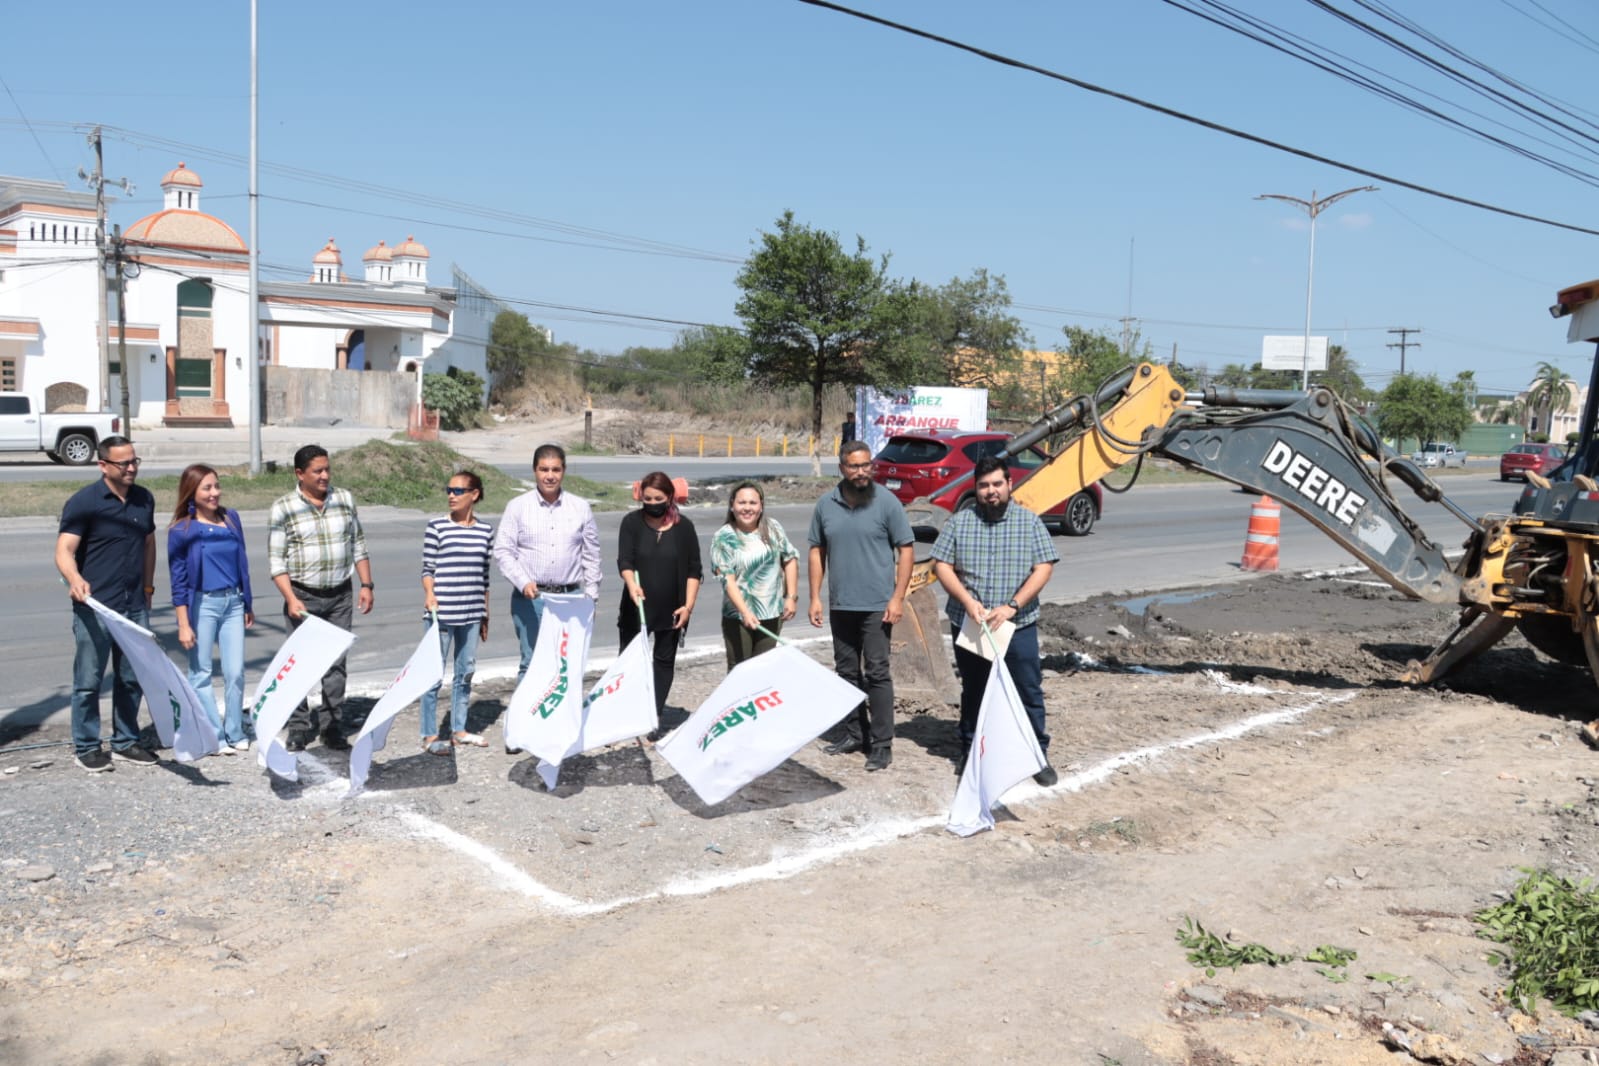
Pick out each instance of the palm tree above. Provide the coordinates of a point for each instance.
(1551, 391)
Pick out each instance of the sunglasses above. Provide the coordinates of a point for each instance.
(454, 491)
(123, 464)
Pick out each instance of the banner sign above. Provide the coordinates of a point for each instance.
(880, 415)
(545, 715)
(1288, 353)
(619, 707)
(308, 653)
(765, 710)
(1004, 753)
(180, 720)
(423, 670)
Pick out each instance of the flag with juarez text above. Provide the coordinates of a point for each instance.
(545, 714)
(180, 721)
(423, 670)
(308, 653)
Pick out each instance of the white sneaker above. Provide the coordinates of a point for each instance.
(226, 749)
(243, 745)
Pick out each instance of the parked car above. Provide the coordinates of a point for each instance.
(1538, 458)
(924, 463)
(1435, 454)
(66, 437)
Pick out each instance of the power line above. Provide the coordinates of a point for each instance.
(32, 132)
(1181, 116)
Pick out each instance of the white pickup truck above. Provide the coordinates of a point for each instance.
(1435, 454)
(66, 436)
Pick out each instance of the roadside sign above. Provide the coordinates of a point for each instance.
(1288, 353)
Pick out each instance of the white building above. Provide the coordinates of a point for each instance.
(188, 325)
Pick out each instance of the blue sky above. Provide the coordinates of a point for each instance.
(538, 142)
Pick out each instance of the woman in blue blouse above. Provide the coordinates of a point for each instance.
(211, 595)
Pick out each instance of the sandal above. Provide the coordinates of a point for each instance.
(471, 739)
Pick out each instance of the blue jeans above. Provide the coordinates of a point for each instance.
(526, 615)
(1026, 669)
(465, 638)
(218, 622)
(93, 648)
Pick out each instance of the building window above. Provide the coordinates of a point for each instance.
(8, 375)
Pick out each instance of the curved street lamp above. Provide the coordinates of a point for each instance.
(1312, 207)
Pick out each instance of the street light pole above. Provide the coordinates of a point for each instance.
(1312, 207)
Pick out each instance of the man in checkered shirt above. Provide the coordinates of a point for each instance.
(993, 560)
(314, 544)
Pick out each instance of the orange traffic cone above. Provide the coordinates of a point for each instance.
(1260, 545)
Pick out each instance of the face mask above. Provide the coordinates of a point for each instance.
(655, 510)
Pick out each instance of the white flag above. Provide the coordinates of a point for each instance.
(1004, 753)
(619, 707)
(545, 715)
(423, 670)
(310, 652)
(180, 721)
(765, 710)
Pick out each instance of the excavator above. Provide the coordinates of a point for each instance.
(1535, 569)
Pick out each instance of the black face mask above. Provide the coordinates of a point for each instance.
(656, 510)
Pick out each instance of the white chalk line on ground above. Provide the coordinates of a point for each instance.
(878, 834)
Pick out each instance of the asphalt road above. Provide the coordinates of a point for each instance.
(1154, 537)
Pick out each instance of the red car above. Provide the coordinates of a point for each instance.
(925, 462)
(1539, 458)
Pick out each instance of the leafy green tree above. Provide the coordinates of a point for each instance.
(958, 334)
(456, 394)
(718, 355)
(1551, 391)
(818, 315)
(1343, 376)
(513, 346)
(1422, 407)
(1233, 376)
(1090, 356)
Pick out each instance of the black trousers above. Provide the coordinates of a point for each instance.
(337, 607)
(663, 658)
(860, 656)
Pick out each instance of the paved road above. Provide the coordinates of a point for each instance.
(1154, 537)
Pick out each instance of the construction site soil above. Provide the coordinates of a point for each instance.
(1239, 756)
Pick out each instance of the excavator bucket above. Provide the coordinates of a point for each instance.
(921, 660)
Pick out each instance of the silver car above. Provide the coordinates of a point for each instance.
(1435, 454)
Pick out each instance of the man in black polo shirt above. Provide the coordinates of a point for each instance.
(106, 549)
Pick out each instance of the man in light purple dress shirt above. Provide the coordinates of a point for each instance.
(547, 542)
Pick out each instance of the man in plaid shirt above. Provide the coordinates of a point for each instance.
(993, 560)
(314, 544)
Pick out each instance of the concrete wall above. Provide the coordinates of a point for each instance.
(299, 396)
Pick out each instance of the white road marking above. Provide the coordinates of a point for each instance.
(788, 864)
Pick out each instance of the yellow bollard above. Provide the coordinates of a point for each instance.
(810, 444)
(757, 447)
(837, 444)
(671, 445)
(730, 445)
(785, 446)
(702, 445)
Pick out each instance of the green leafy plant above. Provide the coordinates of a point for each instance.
(456, 394)
(1212, 952)
(1551, 927)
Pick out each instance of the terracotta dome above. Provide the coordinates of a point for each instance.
(382, 253)
(182, 176)
(329, 254)
(186, 229)
(411, 248)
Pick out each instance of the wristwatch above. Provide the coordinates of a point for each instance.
(368, 585)
(1013, 605)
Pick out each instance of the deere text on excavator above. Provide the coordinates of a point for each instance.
(1535, 569)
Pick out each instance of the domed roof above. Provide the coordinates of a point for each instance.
(182, 176)
(329, 254)
(186, 229)
(382, 252)
(411, 248)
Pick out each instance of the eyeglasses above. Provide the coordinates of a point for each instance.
(857, 466)
(123, 464)
(454, 491)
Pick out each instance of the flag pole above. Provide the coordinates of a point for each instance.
(775, 637)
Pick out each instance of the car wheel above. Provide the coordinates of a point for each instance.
(1080, 515)
(76, 449)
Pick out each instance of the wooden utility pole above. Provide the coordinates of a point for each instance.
(98, 181)
(1404, 343)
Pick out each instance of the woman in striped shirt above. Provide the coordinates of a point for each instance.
(455, 588)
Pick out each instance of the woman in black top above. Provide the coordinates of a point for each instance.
(659, 557)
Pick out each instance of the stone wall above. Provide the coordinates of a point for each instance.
(297, 396)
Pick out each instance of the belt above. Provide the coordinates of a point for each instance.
(559, 590)
(332, 590)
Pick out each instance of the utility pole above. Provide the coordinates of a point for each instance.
(125, 269)
(97, 181)
(1404, 343)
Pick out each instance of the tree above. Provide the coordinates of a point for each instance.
(513, 346)
(1422, 407)
(718, 355)
(1551, 391)
(456, 394)
(956, 334)
(1090, 356)
(1343, 377)
(817, 315)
